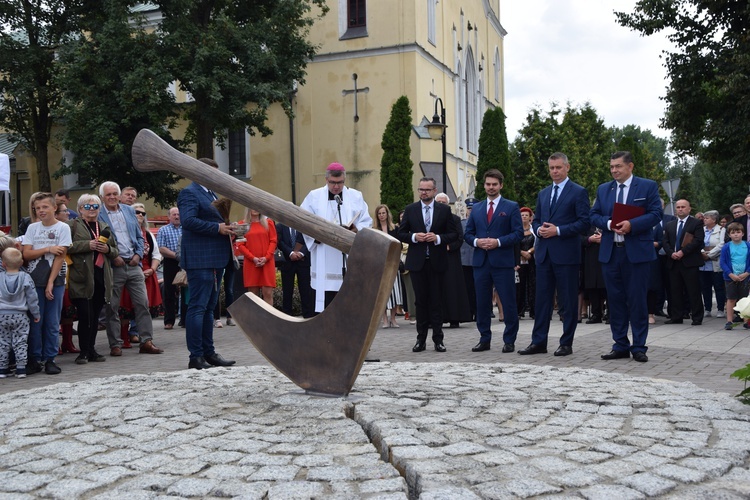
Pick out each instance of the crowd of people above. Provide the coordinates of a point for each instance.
(619, 261)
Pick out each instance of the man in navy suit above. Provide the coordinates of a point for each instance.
(494, 228)
(206, 250)
(562, 211)
(625, 252)
(428, 228)
(296, 263)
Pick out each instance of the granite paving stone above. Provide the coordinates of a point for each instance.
(471, 430)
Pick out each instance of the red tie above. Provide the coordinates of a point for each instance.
(490, 212)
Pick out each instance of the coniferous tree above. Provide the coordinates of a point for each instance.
(395, 166)
(494, 153)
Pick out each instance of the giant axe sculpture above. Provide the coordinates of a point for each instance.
(322, 354)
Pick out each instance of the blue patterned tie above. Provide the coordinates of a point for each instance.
(679, 236)
(620, 195)
(554, 199)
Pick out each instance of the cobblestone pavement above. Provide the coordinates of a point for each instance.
(442, 431)
(417, 425)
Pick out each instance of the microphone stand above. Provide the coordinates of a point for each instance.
(341, 223)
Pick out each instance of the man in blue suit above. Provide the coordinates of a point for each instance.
(626, 250)
(493, 228)
(206, 250)
(296, 262)
(562, 217)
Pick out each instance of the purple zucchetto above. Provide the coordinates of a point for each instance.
(335, 167)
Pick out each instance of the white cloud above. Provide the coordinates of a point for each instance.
(574, 50)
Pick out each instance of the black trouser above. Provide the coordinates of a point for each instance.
(88, 320)
(687, 279)
(288, 271)
(171, 292)
(427, 284)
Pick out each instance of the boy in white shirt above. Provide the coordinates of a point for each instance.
(44, 247)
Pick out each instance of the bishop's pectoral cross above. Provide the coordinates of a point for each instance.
(355, 91)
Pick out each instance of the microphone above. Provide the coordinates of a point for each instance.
(338, 200)
(104, 235)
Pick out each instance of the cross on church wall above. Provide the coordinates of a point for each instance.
(356, 92)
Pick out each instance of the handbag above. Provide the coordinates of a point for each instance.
(278, 256)
(180, 279)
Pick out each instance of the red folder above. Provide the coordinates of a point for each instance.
(625, 212)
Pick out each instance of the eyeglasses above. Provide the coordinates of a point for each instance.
(140, 213)
(423, 190)
(335, 183)
(91, 206)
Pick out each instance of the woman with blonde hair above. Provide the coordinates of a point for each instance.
(92, 251)
(259, 270)
(383, 221)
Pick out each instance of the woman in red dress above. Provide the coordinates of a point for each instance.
(259, 269)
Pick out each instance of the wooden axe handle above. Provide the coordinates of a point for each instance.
(151, 153)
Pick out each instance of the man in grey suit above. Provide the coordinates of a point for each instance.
(126, 271)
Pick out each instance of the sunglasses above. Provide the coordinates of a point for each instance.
(140, 213)
(91, 206)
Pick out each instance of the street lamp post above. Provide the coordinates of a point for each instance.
(436, 129)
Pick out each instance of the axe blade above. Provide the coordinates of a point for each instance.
(324, 354)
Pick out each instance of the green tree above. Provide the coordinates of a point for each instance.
(395, 166)
(588, 144)
(116, 84)
(578, 132)
(712, 190)
(33, 30)
(235, 59)
(494, 153)
(538, 138)
(656, 147)
(707, 96)
(682, 169)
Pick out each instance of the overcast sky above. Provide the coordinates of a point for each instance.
(574, 50)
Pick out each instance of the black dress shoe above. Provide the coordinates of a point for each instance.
(419, 346)
(454, 324)
(482, 346)
(215, 359)
(697, 322)
(440, 347)
(673, 322)
(564, 350)
(593, 319)
(640, 357)
(509, 347)
(660, 313)
(533, 349)
(198, 364)
(616, 355)
(33, 367)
